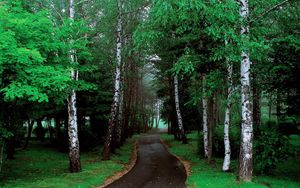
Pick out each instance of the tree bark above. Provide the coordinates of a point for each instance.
(179, 118)
(74, 155)
(246, 153)
(204, 117)
(226, 163)
(211, 121)
(29, 131)
(116, 99)
(157, 114)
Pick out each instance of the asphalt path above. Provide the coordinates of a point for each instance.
(155, 167)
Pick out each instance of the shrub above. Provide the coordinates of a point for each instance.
(270, 147)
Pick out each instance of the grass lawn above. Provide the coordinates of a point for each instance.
(205, 175)
(45, 167)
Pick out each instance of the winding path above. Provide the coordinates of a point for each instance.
(155, 167)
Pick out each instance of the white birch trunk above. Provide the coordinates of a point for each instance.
(157, 114)
(226, 163)
(116, 99)
(179, 118)
(204, 118)
(120, 111)
(119, 62)
(74, 155)
(246, 168)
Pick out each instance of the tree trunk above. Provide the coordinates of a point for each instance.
(157, 114)
(179, 118)
(2, 142)
(116, 99)
(246, 153)
(10, 144)
(226, 163)
(211, 121)
(40, 131)
(204, 117)
(74, 155)
(57, 127)
(29, 131)
(120, 125)
(278, 106)
(256, 105)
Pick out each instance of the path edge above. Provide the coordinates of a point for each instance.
(186, 163)
(127, 167)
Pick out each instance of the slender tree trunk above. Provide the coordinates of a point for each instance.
(10, 144)
(179, 118)
(204, 117)
(256, 105)
(40, 133)
(57, 127)
(226, 163)
(74, 155)
(116, 99)
(270, 110)
(2, 142)
(278, 106)
(157, 114)
(211, 121)
(120, 125)
(29, 131)
(246, 153)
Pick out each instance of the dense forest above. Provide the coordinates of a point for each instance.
(81, 76)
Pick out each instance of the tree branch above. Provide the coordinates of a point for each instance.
(269, 10)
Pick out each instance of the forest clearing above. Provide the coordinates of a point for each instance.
(149, 93)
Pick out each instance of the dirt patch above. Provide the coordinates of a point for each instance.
(126, 169)
(186, 164)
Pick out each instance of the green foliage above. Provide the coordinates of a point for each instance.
(270, 147)
(5, 134)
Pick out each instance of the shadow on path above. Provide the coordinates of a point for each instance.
(155, 167)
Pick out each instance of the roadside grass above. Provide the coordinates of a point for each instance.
(45, 167)
(205, 175)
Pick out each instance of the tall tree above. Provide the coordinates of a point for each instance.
(116, 98)
(246, 152)
(182, 135)
(74, 155)
(204, 117)
(226, 163)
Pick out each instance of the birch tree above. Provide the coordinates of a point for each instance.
(179, 118)
(226, 163)
(74, 155)
(204, 118)
(116, 97)
(246, 153)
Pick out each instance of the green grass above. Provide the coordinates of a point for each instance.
(44, 167)
(205, 175)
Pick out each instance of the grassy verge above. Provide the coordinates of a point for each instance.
(205, 175)
(44, 167)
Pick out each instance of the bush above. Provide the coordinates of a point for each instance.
(289, 125)
(270, 147)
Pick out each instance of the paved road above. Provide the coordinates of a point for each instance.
(155, 167)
